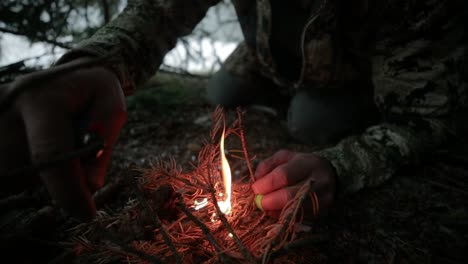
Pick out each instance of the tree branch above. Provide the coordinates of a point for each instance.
(43, 39)
(106, 11)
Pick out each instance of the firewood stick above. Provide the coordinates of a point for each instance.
(158, 224)
(226, 224)
(203, 227)
(303, 191)
(127, 249)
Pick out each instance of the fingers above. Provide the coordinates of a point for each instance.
(49, 131)
(275, 201)
(274, 161)
(295, 170)
(274, 180)
(275, 189)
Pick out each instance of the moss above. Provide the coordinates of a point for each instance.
(165, 92)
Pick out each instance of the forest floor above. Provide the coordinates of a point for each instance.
(419, 216)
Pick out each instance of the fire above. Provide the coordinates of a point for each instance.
(225, 206)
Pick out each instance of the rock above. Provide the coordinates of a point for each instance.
(204, 120)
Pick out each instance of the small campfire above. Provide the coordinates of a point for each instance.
(201, 216)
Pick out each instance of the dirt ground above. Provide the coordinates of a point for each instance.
(420, 216)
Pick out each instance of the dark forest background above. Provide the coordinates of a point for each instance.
(57, 25)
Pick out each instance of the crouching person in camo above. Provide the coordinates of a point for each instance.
(378, 85)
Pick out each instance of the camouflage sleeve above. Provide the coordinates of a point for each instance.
(419, 88)
(140, 37)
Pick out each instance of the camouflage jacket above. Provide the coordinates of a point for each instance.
(414, 51)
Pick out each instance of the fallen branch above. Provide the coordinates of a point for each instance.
(226, 224)
(287, 219)
(127, 249)
(203, 227)
(157, 223)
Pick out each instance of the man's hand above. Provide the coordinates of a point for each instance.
(278, 179)
(45, 116)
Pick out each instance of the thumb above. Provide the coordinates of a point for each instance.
(276, 200)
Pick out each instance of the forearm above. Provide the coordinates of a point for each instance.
(371, 158)
(140, 37)
(420, 89)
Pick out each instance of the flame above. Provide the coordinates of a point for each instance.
(225, 206)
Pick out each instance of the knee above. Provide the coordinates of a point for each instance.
(228, 90)
(321, 118)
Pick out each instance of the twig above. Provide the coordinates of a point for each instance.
(44, 39)
(128, 249)
(244, 145)
(202, 226)
(226, 224)
(12, 67)
(220, 118)
(15, 67)
(303, 192)
(157, 222)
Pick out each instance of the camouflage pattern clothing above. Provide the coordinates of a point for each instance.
(414, 52)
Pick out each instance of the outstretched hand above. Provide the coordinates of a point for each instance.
(278, 179)
(42, 123)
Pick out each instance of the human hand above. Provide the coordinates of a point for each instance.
(41, 125)
(278, 179)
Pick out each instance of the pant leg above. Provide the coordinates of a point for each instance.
(322, 116)
(240, 82)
